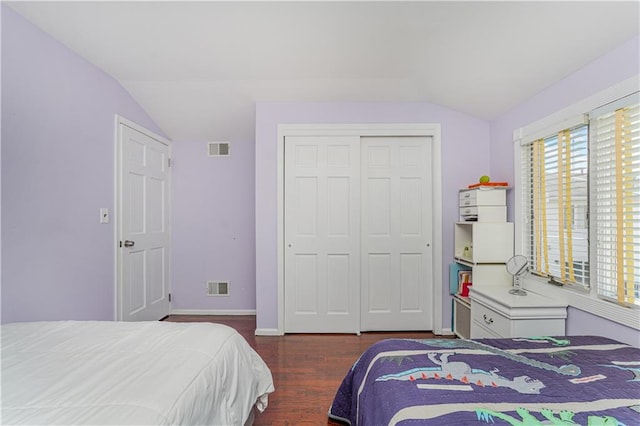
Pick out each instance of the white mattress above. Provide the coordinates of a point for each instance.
(120, 373)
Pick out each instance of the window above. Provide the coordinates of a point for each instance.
(615, 141)
(580, 201)
(557, 189)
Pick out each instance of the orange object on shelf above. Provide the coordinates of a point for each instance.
(489, 184)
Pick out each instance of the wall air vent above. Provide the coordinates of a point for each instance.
(219, 149)
(217, 288)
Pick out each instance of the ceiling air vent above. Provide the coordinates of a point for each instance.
(217, 288)
(219, 149)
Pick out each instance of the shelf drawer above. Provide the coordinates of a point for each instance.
(491, 320)
(482, 197)
(484, 213)
(467, 198)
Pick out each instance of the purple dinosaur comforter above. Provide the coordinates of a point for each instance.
(521, 381)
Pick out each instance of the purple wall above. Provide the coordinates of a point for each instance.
(618, 65)
(213, 235)
(57, 171)
(465, 156)
(57, 165)
(614, 67)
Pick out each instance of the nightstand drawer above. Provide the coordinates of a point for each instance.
(491, 320)
(481, 332)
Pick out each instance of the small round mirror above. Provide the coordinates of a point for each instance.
(517, 266)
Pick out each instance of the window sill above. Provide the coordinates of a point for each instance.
(626, 316)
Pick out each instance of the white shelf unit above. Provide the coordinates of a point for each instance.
(485, 247)
(483, 242)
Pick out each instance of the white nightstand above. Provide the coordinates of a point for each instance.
(496, 313)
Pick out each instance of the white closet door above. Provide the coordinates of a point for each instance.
(396, 233)
(322, 234)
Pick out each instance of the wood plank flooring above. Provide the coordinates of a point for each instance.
(307, 368)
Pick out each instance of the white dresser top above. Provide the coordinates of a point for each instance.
(532, 305)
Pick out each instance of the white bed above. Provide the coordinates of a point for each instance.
(121, 373)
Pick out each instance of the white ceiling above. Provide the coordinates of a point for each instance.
(198, 68)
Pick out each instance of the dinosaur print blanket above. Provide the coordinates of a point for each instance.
(584, 380)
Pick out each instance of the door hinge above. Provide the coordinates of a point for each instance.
(169, 161)
(120, 244)
(169, 297)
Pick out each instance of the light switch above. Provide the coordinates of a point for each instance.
(104, 215)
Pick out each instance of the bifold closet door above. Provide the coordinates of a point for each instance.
(396, 252)
(322, 234)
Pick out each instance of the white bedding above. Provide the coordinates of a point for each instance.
(121, 373)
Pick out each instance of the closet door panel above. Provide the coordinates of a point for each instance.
(396, 226)
(322, 207)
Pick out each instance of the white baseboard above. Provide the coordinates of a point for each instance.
(275, 332)
(267, 332)
(213, 312)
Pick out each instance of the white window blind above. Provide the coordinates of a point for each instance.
(556, 205)
(615, 146)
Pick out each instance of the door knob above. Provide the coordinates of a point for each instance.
(129, 243)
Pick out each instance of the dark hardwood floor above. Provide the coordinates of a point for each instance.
(307, 368)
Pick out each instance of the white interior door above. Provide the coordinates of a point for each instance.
(396, 233)
(143, 219)
(322, 234)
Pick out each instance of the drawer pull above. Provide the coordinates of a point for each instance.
(488, 321)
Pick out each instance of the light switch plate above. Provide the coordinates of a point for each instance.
(104, 215)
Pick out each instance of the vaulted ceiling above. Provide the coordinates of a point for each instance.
(199, 67)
